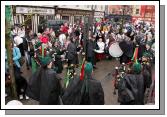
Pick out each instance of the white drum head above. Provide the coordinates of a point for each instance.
(115, 50)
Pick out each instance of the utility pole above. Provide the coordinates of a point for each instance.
(8, 43)
(92, 18)
(123, 13)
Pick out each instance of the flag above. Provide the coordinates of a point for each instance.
(82, 70)
(135, 55)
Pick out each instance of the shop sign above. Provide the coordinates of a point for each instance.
(29, 10)
(73, 12)
(99, 14)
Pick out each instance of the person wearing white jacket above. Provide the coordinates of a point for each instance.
(19, 42)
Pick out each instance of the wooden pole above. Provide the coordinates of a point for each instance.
(8, 43)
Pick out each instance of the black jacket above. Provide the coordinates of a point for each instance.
(131, 90)
(72, 53)
(90, 46)
(127, 47)
(44, 86)
(76, 93)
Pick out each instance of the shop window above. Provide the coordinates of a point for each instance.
(65, 18)
(77, 19)
(28, 21)
(50, 17)
(148, 15)
(137, 11)
(101, 7)
(113, 11)
(95, 6)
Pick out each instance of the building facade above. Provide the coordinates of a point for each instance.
(76, 13)
(120, 9)
(31, 16)
(144, 13)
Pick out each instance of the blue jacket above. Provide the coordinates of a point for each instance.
(16, 56)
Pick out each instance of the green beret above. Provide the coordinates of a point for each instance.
(147, 54)
(88, 68)
(38, 44)
(137, 68)
(149, 43)
(46, 60)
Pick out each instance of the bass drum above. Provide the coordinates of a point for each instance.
(115, 50)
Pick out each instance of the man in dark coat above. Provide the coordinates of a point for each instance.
(87, 91)
(44, 86)
(90, 53)
(72, 94)
(128, 48)
(131, 87)
(92, 91)
(71, 53)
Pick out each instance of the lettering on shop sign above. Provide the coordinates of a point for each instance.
(73, 12)
(27, 10)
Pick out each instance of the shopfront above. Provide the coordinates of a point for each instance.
(32, 16)
(72, 15)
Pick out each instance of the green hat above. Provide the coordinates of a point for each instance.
(149, 43)
(46, 60)
(147, 54)
(88, 68)
(38, 44)
(137, 67)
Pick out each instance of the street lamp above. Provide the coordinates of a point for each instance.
(92, 18)
(122, 18)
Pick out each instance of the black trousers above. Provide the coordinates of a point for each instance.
(92, 60)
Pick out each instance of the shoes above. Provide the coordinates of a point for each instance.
(20, 97)
(27, 98)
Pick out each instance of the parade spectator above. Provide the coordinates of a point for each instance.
(90, 47)
(16, 57)
(71, 53)
(19, 42)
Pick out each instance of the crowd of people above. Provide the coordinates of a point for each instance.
(45, 53)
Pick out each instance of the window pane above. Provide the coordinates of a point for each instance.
(65, 18)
